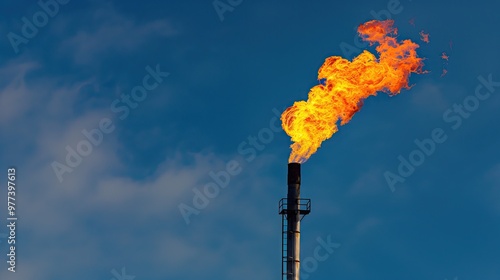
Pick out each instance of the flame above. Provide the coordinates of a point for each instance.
(444, 56)
(345, 84)
(424, 36)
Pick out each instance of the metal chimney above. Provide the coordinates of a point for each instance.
(292, 209)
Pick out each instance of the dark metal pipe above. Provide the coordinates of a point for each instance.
(293, 221)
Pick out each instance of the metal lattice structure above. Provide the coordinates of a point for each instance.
(304, 208)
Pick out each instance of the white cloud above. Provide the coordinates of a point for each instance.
(31, 269)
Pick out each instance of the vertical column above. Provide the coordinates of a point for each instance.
(293, 219)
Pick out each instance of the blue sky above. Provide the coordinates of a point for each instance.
(119, 205)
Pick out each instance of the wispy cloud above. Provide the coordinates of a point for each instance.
(430, 97)
(15, 97)
(102, 206)
(108, 31)
(366, 225)
(368, 183)
(492, 178)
